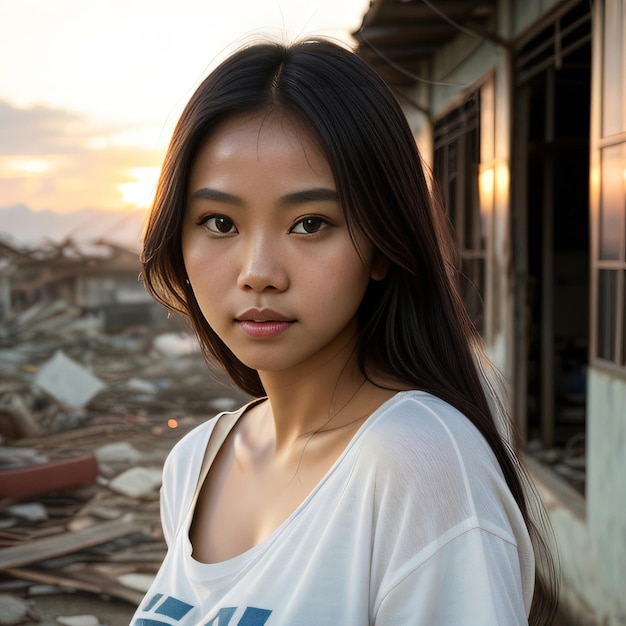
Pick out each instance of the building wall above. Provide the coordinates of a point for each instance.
(590, 533)
(606, 488)
(524, 13)
(606, 399)
(459, 68)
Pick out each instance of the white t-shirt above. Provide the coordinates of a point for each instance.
(413, 524)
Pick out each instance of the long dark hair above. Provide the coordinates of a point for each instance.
(414, 326)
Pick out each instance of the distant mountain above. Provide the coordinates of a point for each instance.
(21, 225)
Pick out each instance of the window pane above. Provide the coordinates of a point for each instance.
(487, 122)
(624, 319)
(473, 235)
(607, 313)
(452, 162)
(612, 121)
(452, 206)
(612, 203)
(473, 289)
(440, 166)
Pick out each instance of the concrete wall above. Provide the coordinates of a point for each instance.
(591, 532)
(606, 489)
(524, 13)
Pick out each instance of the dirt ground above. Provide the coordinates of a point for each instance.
(110, 612)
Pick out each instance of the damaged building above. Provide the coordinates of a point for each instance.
(97, 383)
(100, 280)
(519, 107)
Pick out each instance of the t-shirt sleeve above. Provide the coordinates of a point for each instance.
(474, 578)
(450, 543)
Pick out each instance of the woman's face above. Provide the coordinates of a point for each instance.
(266, 245)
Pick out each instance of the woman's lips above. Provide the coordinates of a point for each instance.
(263, 323)
(263, 330)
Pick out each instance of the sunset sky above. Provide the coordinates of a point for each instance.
(90, 91)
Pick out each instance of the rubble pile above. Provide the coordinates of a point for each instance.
(87, 417)
(74, 375)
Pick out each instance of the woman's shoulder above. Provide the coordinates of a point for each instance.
(428, 462)
(422, 449)
(423, 424)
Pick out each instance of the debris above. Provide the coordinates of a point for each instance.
(80, 523)
(71, 583)
(176, 344)
(22, 423)
(137, 482)
(19, 457)
(143, 386)
(14, 610)
(67, 381)
(32, 511)
(49, 547)
(119, 451)
(223, 404)
(41, 478)
(140, 582)
(78, 620)
(44, 590)
(90, 368)
(7, 523)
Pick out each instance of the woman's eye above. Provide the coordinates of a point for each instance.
(309, 225)
(219, 224)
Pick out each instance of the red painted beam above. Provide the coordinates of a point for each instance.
(41, 478)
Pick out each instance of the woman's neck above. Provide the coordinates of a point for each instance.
(305, 403)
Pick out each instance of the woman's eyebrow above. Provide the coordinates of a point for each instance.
(316, 194)
(207, 193)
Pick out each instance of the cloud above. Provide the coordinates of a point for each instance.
(40, 130)
(57, 159)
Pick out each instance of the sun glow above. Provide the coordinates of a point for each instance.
(140, 191)
(68, 145)
(24, 166)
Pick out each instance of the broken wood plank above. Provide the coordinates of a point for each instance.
(58, 545)
(46, 578)
(88, 581)
(105, 577)
(85, 435)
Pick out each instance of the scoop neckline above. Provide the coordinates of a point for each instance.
(205, 571)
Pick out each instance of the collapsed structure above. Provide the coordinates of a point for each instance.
(97, 382)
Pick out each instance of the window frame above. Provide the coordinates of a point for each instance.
(475, 193)
(601, 143)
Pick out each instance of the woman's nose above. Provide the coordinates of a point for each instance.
(262, 266)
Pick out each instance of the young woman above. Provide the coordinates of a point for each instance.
(367, 482)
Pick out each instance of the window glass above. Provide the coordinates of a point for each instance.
(473, 235)
(472, 288)
(607, 305)
(612, 204)
(623, 321)
(452, 155)
(487, 122)
(451, 204)
(613, 74)
(458, 151)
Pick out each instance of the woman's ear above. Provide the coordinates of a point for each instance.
(380, 266)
